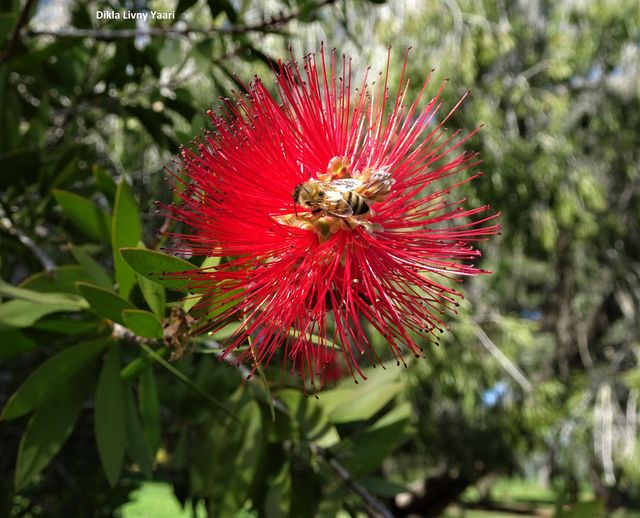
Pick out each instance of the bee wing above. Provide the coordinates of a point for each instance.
(346, 184)
(334, 203)
(377, 186)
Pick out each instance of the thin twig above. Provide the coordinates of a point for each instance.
(8, 226)
(114, 34)
(374, 506)
(15, 36)
(506, 363)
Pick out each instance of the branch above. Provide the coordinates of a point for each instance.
(266, 24)
(23, 17)
(371, 502)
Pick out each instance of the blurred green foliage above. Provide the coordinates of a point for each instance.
(539, 373)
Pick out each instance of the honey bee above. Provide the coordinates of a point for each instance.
(344, 197)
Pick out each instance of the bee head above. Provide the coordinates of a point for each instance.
(296, 192)
(296, 197)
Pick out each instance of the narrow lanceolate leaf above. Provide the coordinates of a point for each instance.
(47, 431)
(94, 222)
(24, 313)
(61, 280)
(52, 373)
(63, 300)
(110, 416)
(92, 267)
(104, 302)
(137, 447)
(142, 323)
(155, 265)
(149, 405)
(125, 232)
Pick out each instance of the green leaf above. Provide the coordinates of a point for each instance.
(185, 379)
(238, 449)
(55, 371)
(126, 232)
(226, 332)
(348, 402)
(154, 295)
(66, 326)
(170, 55)
(306, 420)
(135, 367)
(590, 509)
(15, 342)
(277, 503)
(65, 301)
(136, 443)
(183, 5)
(212, 305)
(47, 431)
(61, 280)
(154, 265)
(24, 313)
(155, 123)
(142, 323)
(97, 273)
(218, 6)
(110, 416)
(85, 215)
(105, 182)
(364, 451)
(384, 488)
(149, 405)
(104, 302)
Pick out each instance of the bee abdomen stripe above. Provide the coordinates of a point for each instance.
(357, 203)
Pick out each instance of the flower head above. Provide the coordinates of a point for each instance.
(328, 205)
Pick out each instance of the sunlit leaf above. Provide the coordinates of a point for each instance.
(126, 232)
(64, 300)
(24, 313)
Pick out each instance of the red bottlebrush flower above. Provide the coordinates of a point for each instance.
(325, 201)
